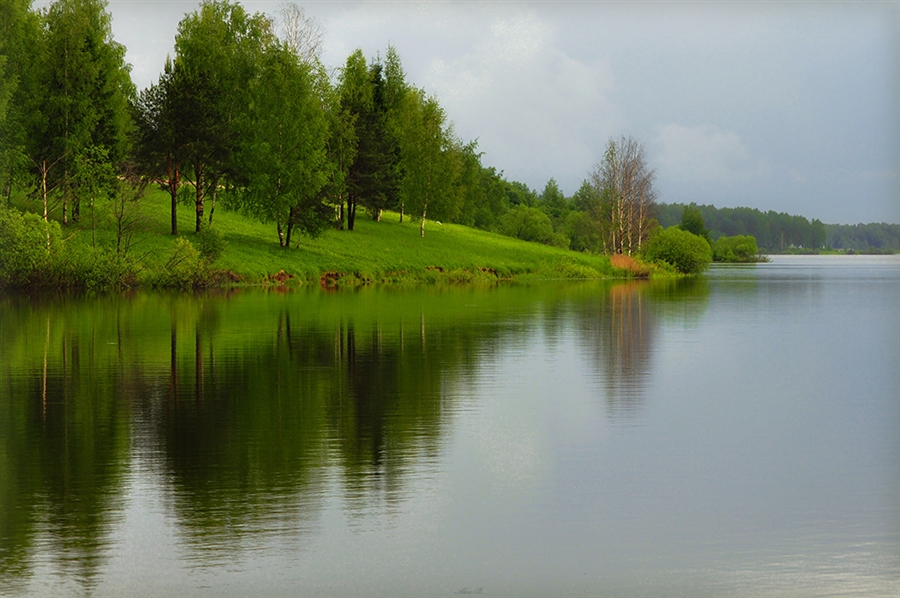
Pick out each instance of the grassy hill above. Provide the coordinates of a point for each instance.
(385, 251)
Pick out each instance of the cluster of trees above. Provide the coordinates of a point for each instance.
(778, 232)
(774, 232)
(863, 237)
(65, 94)
(246, 116)
(244, 113)
(612, 212)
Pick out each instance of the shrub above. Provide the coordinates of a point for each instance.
(686, 252)
(28, 249)
(630, 266)
(210, 243)
(527, 224)
(739, 248)
(184, 269)
(95, 269)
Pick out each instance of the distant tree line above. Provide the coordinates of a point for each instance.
(863, 237)
(775, 232)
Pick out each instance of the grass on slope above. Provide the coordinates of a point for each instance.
(374, 251)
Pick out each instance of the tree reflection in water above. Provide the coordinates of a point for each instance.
(250, 410)
(619, 331)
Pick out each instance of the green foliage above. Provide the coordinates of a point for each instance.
(553, 203)
(692, 221)
(739, 248)
(95, 269)
(430, 158)
(282, 163)
(582, 232)
(370, 103)
(33, 255)
(686, 252)
(184, 268)
(82, 93)
(863, 237)
(528, 224)
(774, 232)
(21, 45)
(218, 51)
(28, 248)
(211, 244)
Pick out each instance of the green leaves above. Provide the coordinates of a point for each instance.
(282, 163)
(692, 221)
(739, 248)
(686, 252)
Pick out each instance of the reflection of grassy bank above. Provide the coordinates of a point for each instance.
(376, 252)
(243, 401)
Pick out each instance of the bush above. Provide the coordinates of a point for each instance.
(184, 269)
(210, 243)
(686, 252)
(98, 269)
(28, 248)
(739, 248)
(527, 224)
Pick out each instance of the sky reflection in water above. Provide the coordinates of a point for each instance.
(732, 434)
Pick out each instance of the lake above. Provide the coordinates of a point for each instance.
(736, 434)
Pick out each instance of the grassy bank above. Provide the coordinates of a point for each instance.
(376, 252)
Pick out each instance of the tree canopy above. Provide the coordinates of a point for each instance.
(245, 115)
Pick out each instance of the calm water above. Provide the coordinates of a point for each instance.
(733, 435)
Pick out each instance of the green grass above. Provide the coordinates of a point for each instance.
(385, 251)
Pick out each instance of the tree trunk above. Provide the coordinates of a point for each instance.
(351, 212)
(198, 201)
(422, 227)
(44, 171)
(290, 227)
(212, 208)
(172, 172)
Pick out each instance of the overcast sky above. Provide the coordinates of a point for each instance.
(792, 107)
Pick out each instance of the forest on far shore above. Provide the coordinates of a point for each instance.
(781, 232)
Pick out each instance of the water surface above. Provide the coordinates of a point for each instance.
(738, 434)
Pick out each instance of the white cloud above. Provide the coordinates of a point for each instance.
(537, 112)
(706, 154)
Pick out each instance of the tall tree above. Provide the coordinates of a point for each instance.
(157, 137)
(392, 93)
(430, 160)
(340, 148)
(692, 221)
(218, 49)
(86, 93)
(624, 184)
(283, 160)
(370, 95)
(356, 103)
(21, 50)
(553, 202)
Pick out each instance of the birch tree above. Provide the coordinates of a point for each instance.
(429, 158)
(283, 159)
(623, 211)
(302, 34)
